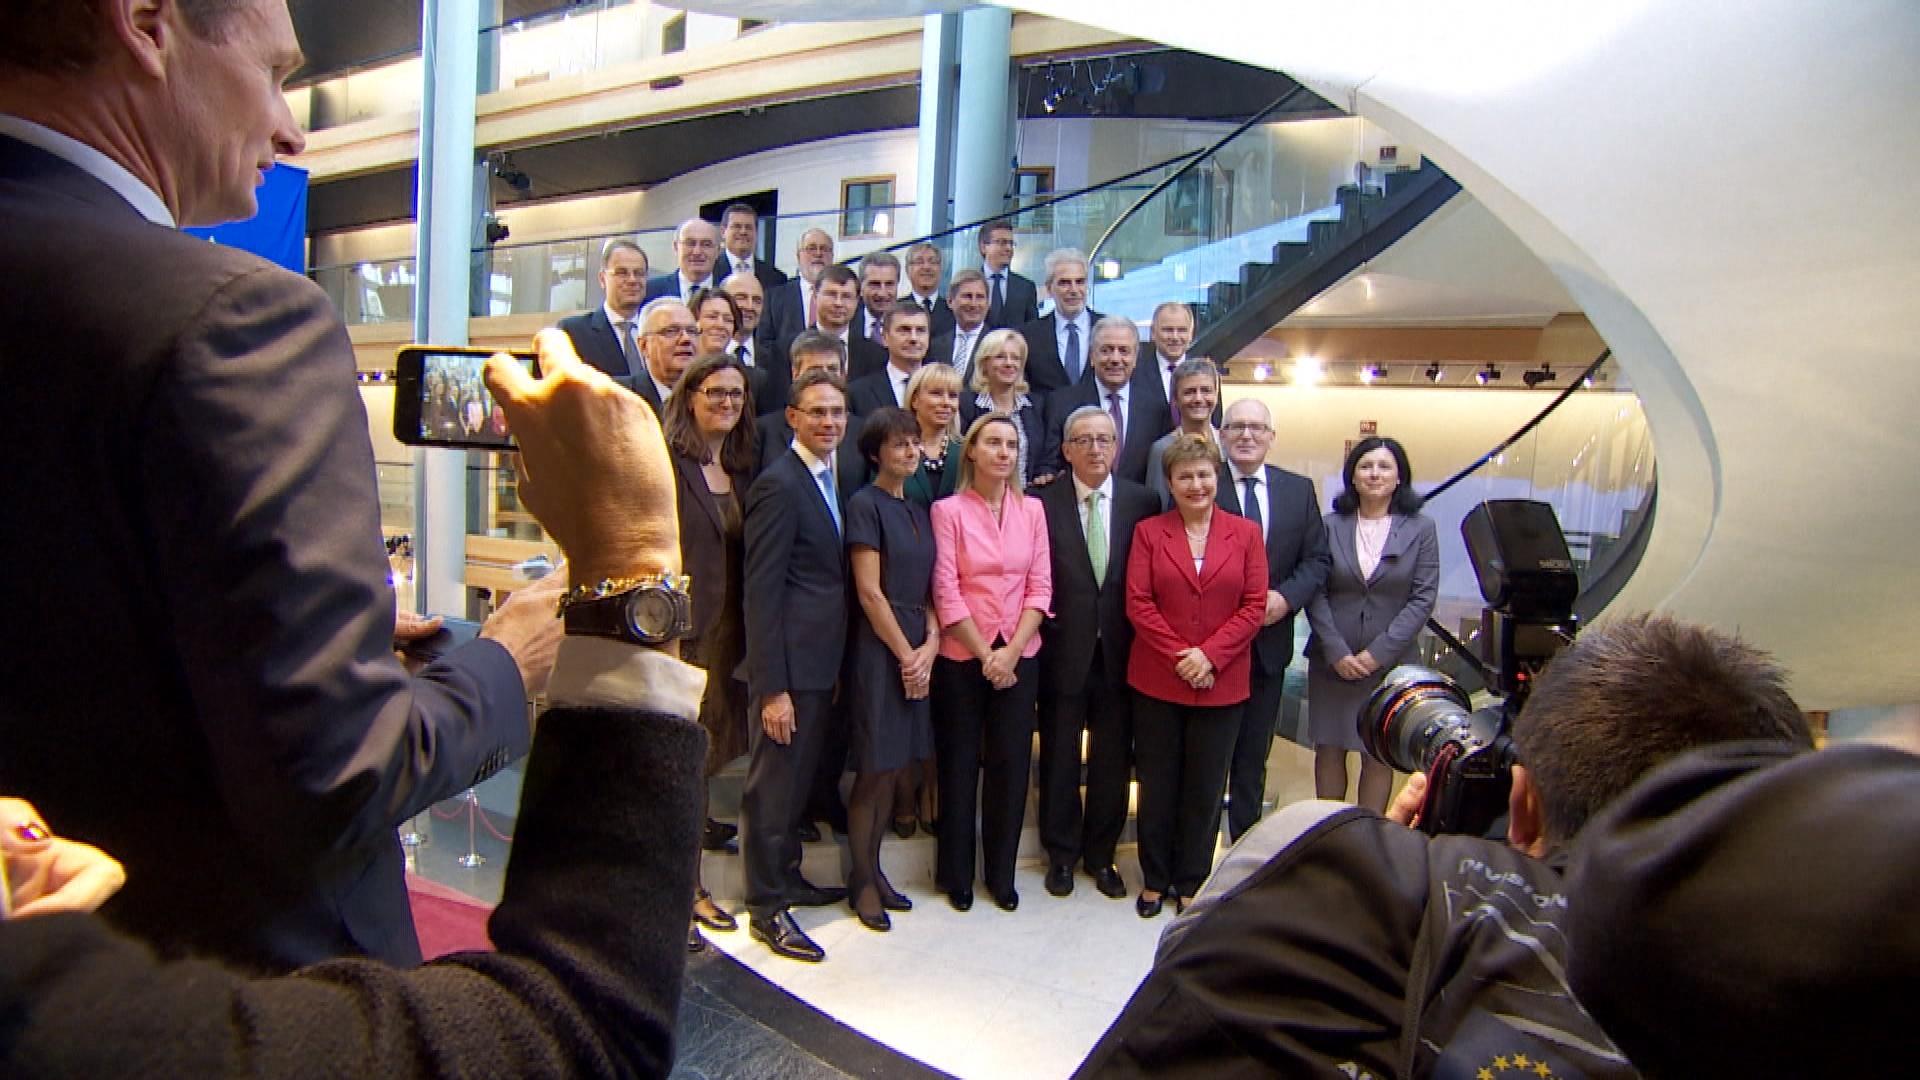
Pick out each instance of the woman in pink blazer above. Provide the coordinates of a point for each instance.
(992, 585)
(1196, 591)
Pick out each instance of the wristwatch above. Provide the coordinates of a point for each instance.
(652, 610)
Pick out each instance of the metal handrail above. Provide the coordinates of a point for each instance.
(1245, 126)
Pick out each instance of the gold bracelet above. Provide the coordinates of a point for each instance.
(606, 587)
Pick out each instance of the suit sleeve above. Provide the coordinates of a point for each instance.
(1232, 637)
(1143, 607)
(1310, 573)
(258, 480)
(1333, 644)
(770, 529)
(586, 981)
(1421, 595)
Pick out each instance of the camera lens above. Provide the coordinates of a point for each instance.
(1414, 713)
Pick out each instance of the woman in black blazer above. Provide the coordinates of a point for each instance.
(999, 385)
(712, 444)
(1380, 591)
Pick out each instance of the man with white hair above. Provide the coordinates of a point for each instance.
(1058, 343)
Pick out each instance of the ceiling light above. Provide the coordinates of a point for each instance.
(1307, 371)
(1543, 374)
(1109, 268)
(1487, 374)
(1434, 373)
(1262, 371)
(1370, 372)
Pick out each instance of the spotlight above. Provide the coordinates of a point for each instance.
(1307, 371)
(1262, 371)
(1434, 374)
(1486, 375)
(1370, 372)
(496, 230)
(1543, 375)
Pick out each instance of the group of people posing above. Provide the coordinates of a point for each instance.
(922, 527)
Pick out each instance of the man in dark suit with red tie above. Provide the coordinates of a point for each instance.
(1283, 505)
(1091, 514)
(1012, 300)
(608, 336)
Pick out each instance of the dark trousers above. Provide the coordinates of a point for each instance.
(1182, 753)
(983, 739)
(1247, 783)
(778, 779)
(823, 799)
(1104, 710)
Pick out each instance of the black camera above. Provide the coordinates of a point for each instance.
(1419, 720)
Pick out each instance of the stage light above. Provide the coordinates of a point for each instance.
(1307, 371)
(1434, 372)
(1486, 375)
(1543, 374)
(1370, 372)
(1262, 371)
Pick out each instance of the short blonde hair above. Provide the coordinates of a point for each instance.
(991, 346)
(1185, 449)
(935, 376)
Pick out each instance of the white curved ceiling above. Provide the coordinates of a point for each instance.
(1728, 191)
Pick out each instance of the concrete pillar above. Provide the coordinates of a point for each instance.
(449, 49)
(983, 143)
(939, 88)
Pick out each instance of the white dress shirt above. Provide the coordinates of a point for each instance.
(898, 380)
(1166, 376)
(1260, 495)
(1085, 323)
(962, 359)
(687, 287)
(626, 327)
(1080, 493)
(743, 343)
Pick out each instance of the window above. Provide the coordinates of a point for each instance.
(748, 26)
(866, 207)
(1031, 183)
(673, 35)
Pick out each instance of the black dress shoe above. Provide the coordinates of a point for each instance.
(961, 899)
(695, 943)
(1007, 901)
(1146, 908)
(781, 934)
(903, 827)
(719, 836)
(879, 922)
(804, 893)
(809, 833)
(893, 901)
(1107, 879)
(1060, 881)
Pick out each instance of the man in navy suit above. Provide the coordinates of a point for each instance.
(796, 615)
(1083, 669)
(740, 237)
(836, 302)
(1012, 300)
(812, 350)
(1284, 506)
(879, 291)
(1139, 415)
(1059, 344)
(924, 270)
(905, 331)
(203, 682)
(967, 299)
(608, 336)
(696, 247)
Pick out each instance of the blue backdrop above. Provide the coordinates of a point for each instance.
(279, 230)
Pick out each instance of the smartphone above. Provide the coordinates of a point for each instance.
(440, 399)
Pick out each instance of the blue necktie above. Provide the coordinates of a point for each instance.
(833, 500)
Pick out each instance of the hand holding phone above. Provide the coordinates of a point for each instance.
(441, 398)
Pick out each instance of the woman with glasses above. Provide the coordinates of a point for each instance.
(992, 585)
(890, 664)
(999, 385)
(713, 455)
(1380, 591)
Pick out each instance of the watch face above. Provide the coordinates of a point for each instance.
(651, 613)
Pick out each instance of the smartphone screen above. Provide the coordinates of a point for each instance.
(440, 398)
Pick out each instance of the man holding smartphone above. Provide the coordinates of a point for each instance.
(200, 667)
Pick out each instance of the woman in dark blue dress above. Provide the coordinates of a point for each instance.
(890, 540)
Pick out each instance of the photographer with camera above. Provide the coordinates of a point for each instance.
(1331, 937)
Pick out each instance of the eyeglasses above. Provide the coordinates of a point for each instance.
(825, 412)
(817, 249)
(1101, 442)
(1238, 429)
(674, 333)
(721, 394)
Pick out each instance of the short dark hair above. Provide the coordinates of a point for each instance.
(739, 208)
(901, 310)
(881, 428)
(812, 379)
(702, 295)
(997, 225)
(839, 274)
(1632, 693)
(811, 342)
(68, 37)
(739, 451)
(1404, 501)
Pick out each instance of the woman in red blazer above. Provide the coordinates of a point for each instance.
(1196, 590)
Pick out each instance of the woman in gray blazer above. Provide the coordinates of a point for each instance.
(1385, 578)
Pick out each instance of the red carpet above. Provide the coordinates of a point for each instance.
(447, 919)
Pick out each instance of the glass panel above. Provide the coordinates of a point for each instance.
(370, 292)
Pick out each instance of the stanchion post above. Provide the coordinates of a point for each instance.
(472, 860)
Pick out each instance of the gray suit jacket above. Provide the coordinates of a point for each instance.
(1382, 614)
